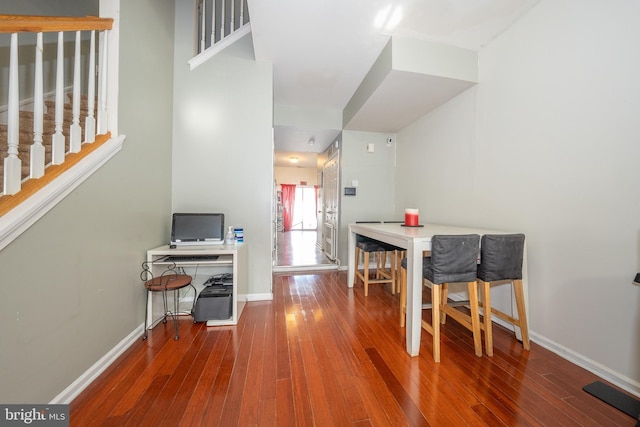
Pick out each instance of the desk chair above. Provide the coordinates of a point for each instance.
(168, 281)
(453, 260)
(379, 250)
(501, 257)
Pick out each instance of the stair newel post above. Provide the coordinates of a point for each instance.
(58, 140)
(36, 163)
(75, 132)
(12, 164)
(102, 85)
(222, 7)
(90, 121)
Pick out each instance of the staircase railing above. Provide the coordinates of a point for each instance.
(57, 110)
(13, 173)
(220, 23)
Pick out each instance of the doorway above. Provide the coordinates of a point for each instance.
(304, 211)
(298, 224)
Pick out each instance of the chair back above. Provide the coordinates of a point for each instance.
(501, 257)
(454, 258)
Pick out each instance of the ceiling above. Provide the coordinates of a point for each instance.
(322, 50)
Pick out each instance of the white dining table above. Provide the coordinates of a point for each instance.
(416, 240)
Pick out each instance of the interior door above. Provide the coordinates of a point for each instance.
(331, 196)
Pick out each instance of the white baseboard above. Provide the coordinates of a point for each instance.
(256, 297)
(71, 392)
(84, 380)
(99, 367)
(594, 367)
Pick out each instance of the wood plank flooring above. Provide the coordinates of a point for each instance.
(297, 248)
(321, 354)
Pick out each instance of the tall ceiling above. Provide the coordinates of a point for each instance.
(322, 50)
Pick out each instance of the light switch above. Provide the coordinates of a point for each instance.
(371, 147)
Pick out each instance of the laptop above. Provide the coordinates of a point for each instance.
(191, 229)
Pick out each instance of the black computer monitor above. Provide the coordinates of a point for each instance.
(197, 229)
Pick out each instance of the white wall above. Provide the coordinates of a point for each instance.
(547, 144)
(285, 175)
(222, 142)
(375, 175)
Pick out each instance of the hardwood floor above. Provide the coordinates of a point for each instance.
(322, 354)
(297, 248)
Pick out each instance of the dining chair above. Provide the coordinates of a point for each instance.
(382, 275)
(168, 282)
(501, 258)
(399, 254)
(453, 259)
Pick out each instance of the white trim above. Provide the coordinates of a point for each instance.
(218, 47)
(84, 380)
(595, 368)
(592, 366)
(280, 269)
(255, 297)
(16, 221)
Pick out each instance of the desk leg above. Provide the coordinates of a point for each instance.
(414, 299)
(351, 259)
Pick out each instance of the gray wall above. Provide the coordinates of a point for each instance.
(222, 142)
(547, 144)
(69, 287)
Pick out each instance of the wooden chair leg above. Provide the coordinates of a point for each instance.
(435, 321)
(445, 298)
(366, 273)
(475, 318)
(522, 313)
(486, 312)
(356, 266)
(392, 267)
(403, 296)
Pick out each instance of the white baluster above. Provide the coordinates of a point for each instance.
(232, 20)
(90, 121)
(12, 164)
(241, 13)
(36, 164)
(102, 87)
(222, 19)
(203, 21)
(75, 132)
(58, 140)
(213, 22)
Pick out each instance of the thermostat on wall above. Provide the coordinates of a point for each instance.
(349, 191)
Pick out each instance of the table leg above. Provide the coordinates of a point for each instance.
(414, 299)
(351, 248)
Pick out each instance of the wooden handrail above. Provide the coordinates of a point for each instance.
(44, 24)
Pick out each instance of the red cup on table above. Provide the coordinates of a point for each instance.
(411, 217)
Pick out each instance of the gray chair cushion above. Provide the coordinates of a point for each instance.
(453, 259)
(501, 257)
(371, 245)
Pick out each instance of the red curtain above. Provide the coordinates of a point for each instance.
(288, 200)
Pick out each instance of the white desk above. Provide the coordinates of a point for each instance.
(416, 240)
(231, 258)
